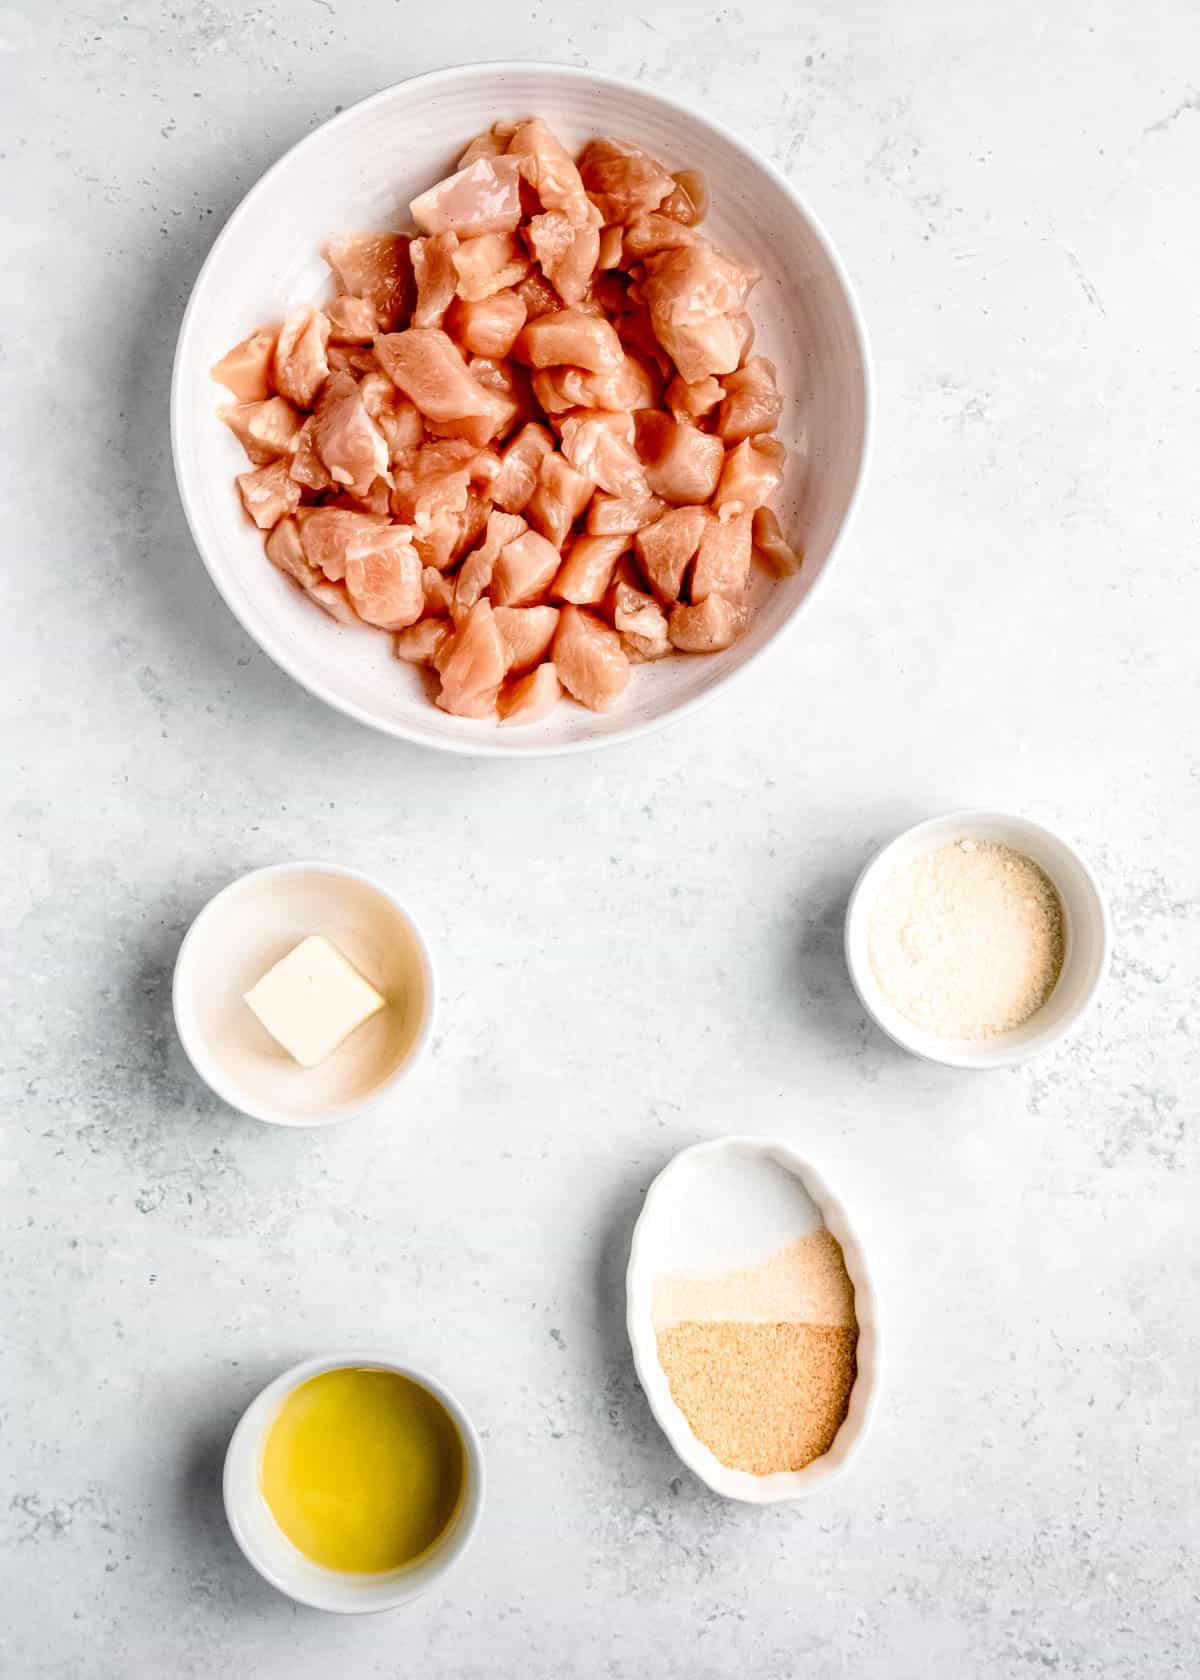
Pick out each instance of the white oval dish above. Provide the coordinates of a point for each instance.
(1087, 938)
(728, 1204)
(243, 932)
(269, 1550)
(359, 171)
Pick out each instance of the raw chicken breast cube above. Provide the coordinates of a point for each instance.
(706, 628)
(378, 268)
(265, 430)
(714, 345)
(300, 367)
(640, 622)
(436, 507)
(484, 197)
(550, 170)
(693, 402)
(438, 590)
(599, 444)
(635, 385)
(611, 251)
(585, 574)
(752, 402)
(682, 463)
(383, 580)
(571, 337)
(770, 542)
(489, 327)
(650, 234)
(473, 524)
(519, 467)
(723, 559)
(751, 475)
(589, 659)
(665, 549)
(420, 643)
(629, 388)
(608, 515)
(429, 368)
(333, 599)
(435, 276)
(378, 499)
(567, 253)
(358, 359)
(538, 295)
(476, 572)
(489, 263)
(285, 551)
(687, 201)
(480, 706)
(504, 379)
(471, 665)
(478, 429)
(352, 320)
(546, 384)
(269, 493)
(636, 331)
(493, 142)
(348, 441)
(329, 534)
(527, 633)
(402, 427)
(246, 370)
(559, 497)
(621, 180)
(307, 467)
(525, 569)
(530, 698)
(693, 293)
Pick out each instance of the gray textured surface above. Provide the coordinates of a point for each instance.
(636, 950)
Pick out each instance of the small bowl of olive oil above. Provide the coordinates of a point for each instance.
(353, 1483)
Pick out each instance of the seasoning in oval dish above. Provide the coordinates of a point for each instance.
(761, 1361)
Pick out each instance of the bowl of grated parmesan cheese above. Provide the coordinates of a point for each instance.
(977, 939)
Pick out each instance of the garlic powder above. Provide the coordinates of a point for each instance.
(966, 940)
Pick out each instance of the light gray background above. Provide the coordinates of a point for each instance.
(637, 949)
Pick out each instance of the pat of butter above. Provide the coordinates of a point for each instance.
(312, 1000)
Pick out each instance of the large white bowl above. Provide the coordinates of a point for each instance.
(359, 171)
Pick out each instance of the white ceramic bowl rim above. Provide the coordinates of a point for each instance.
(346, 1594)
(206, 1065)
(784, 1485)
(493, 745)
(1031, 1039)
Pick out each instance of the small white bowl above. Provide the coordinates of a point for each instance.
(1087, 939)
(243, 932)
(358, 171)
(272, 1553)
(728, 1192)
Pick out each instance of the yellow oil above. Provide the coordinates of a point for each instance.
(362, 1469)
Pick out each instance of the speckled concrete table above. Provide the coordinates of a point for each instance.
(638, 949)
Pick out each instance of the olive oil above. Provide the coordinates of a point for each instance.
(362, 1469)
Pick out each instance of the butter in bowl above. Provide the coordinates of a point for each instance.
(303, 993)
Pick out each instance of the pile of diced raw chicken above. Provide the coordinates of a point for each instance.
(529, 439)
